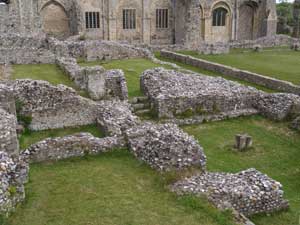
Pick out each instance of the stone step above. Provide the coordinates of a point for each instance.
(140, 99)
(140, 106)
(141, 112)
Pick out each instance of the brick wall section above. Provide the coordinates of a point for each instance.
(255, 78)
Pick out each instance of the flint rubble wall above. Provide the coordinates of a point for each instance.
(255, 78)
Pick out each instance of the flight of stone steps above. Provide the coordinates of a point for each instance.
(141, 106)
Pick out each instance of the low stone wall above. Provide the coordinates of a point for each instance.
(17, 49)
(115, 117)
(249, 192)
(99, 83)
(278, 106)
(93, 50)
(31, 49)
(175, 94)
(71, 146)
(108, 50)
(13, 176)
(8, 135)
(266, 42)
(51, 106)
(296, 124)
(192, 98)
(214, 48)
(255, 78)
(165, 147)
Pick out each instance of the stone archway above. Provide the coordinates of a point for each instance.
(246, 22)
(55, 20)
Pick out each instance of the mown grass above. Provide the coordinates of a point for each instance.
(133, 68)
(48, 72)
(113, 188)
(31, 137)
(283, 64)
(276, 152)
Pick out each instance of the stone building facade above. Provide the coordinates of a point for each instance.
(161, 22)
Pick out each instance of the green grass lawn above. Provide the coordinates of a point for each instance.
(110, 189)
(276, 152)
(31, 137)
(133, 68)
(283, 64)
(48, 72)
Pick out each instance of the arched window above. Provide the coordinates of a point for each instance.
(219, 17)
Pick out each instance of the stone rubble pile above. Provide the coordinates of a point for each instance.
(76, 145)
(13, 176)
(249, 192)
(165, 147)
(99, 83)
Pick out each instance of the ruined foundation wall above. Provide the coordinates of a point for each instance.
(51, 106)
(176, 94)
(24, 49)
(77, 145)
(100, 83)
(249, 192)
(255, 78)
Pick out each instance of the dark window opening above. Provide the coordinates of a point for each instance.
(162, 18)
(219, 17)
(129, 19)
(92, 20)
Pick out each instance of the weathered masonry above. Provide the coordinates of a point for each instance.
(188, 22)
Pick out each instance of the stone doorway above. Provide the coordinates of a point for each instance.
(246, 22)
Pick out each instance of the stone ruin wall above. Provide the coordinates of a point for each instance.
(77, 145)
(165, 147)
(174, 94)
(13, 176)
(99, 83)
(8, 135)
(17, 49)
(14, 170)
(255, 78)
(249, 192)
(51, 106)
(265, 42)
(8, 122)
(33, 49)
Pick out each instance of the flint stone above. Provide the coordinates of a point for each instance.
(165, 147)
